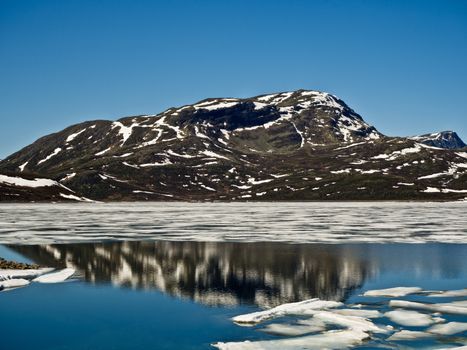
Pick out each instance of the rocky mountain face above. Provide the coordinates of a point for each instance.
(443, 139)
(301, 145)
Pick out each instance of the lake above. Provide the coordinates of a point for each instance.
(173, 275)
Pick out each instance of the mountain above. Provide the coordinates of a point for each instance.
(300, 145)
(443, 139)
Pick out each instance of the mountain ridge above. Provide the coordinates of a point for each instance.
(296, 145)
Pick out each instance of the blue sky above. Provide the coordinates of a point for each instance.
(400, 64)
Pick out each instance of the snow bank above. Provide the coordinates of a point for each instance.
(19, 181)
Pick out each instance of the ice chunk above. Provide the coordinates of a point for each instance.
(299, 308)
(328, 340)
(55, 277)
(27, 273)
(449, 328)
(392, 292)
(409, 335)
(13, 283)
(449, 293)
(293, 329)
(350, 322)
(410, 318)
(359, 313)
(443, 308)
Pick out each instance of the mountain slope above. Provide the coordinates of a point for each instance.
(26, 188)
(302, 145)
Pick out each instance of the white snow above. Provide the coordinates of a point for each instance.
(431, 190)
(22, 166)
(208, 188)
(73, 197)
(27, 273)
(213, 105)
(392, 292)
(125, 131)
(179, 155)
(253, 181)
(55, 277)
(124, 155)
(163, 163)
(54, 153)
(71, 137)
(299, 308)
(302, 143)
(200, 134)
(462, 154)
(19, 181)
(68, 177)
(212, 154)
(103, 151)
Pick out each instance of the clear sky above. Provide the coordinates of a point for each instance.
(401, 64)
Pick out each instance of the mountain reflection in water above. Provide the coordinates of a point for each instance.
(264, 274)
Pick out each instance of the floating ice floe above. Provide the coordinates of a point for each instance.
(448, 308)
(55, 277)
(306, 307)
(359, 313)
(409, 335)
(13, 283)
(449, 293)
(449, 328)
(320, 324)
(411, 318)
(392, 292)
(300, 328)
(10, 278)
(26, 274)
(328, 340)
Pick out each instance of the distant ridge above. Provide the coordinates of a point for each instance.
(297, 145)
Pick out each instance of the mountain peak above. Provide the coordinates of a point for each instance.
(443, 139)
(302, 144)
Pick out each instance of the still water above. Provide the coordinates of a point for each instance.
(182, 295)
(172, 276)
